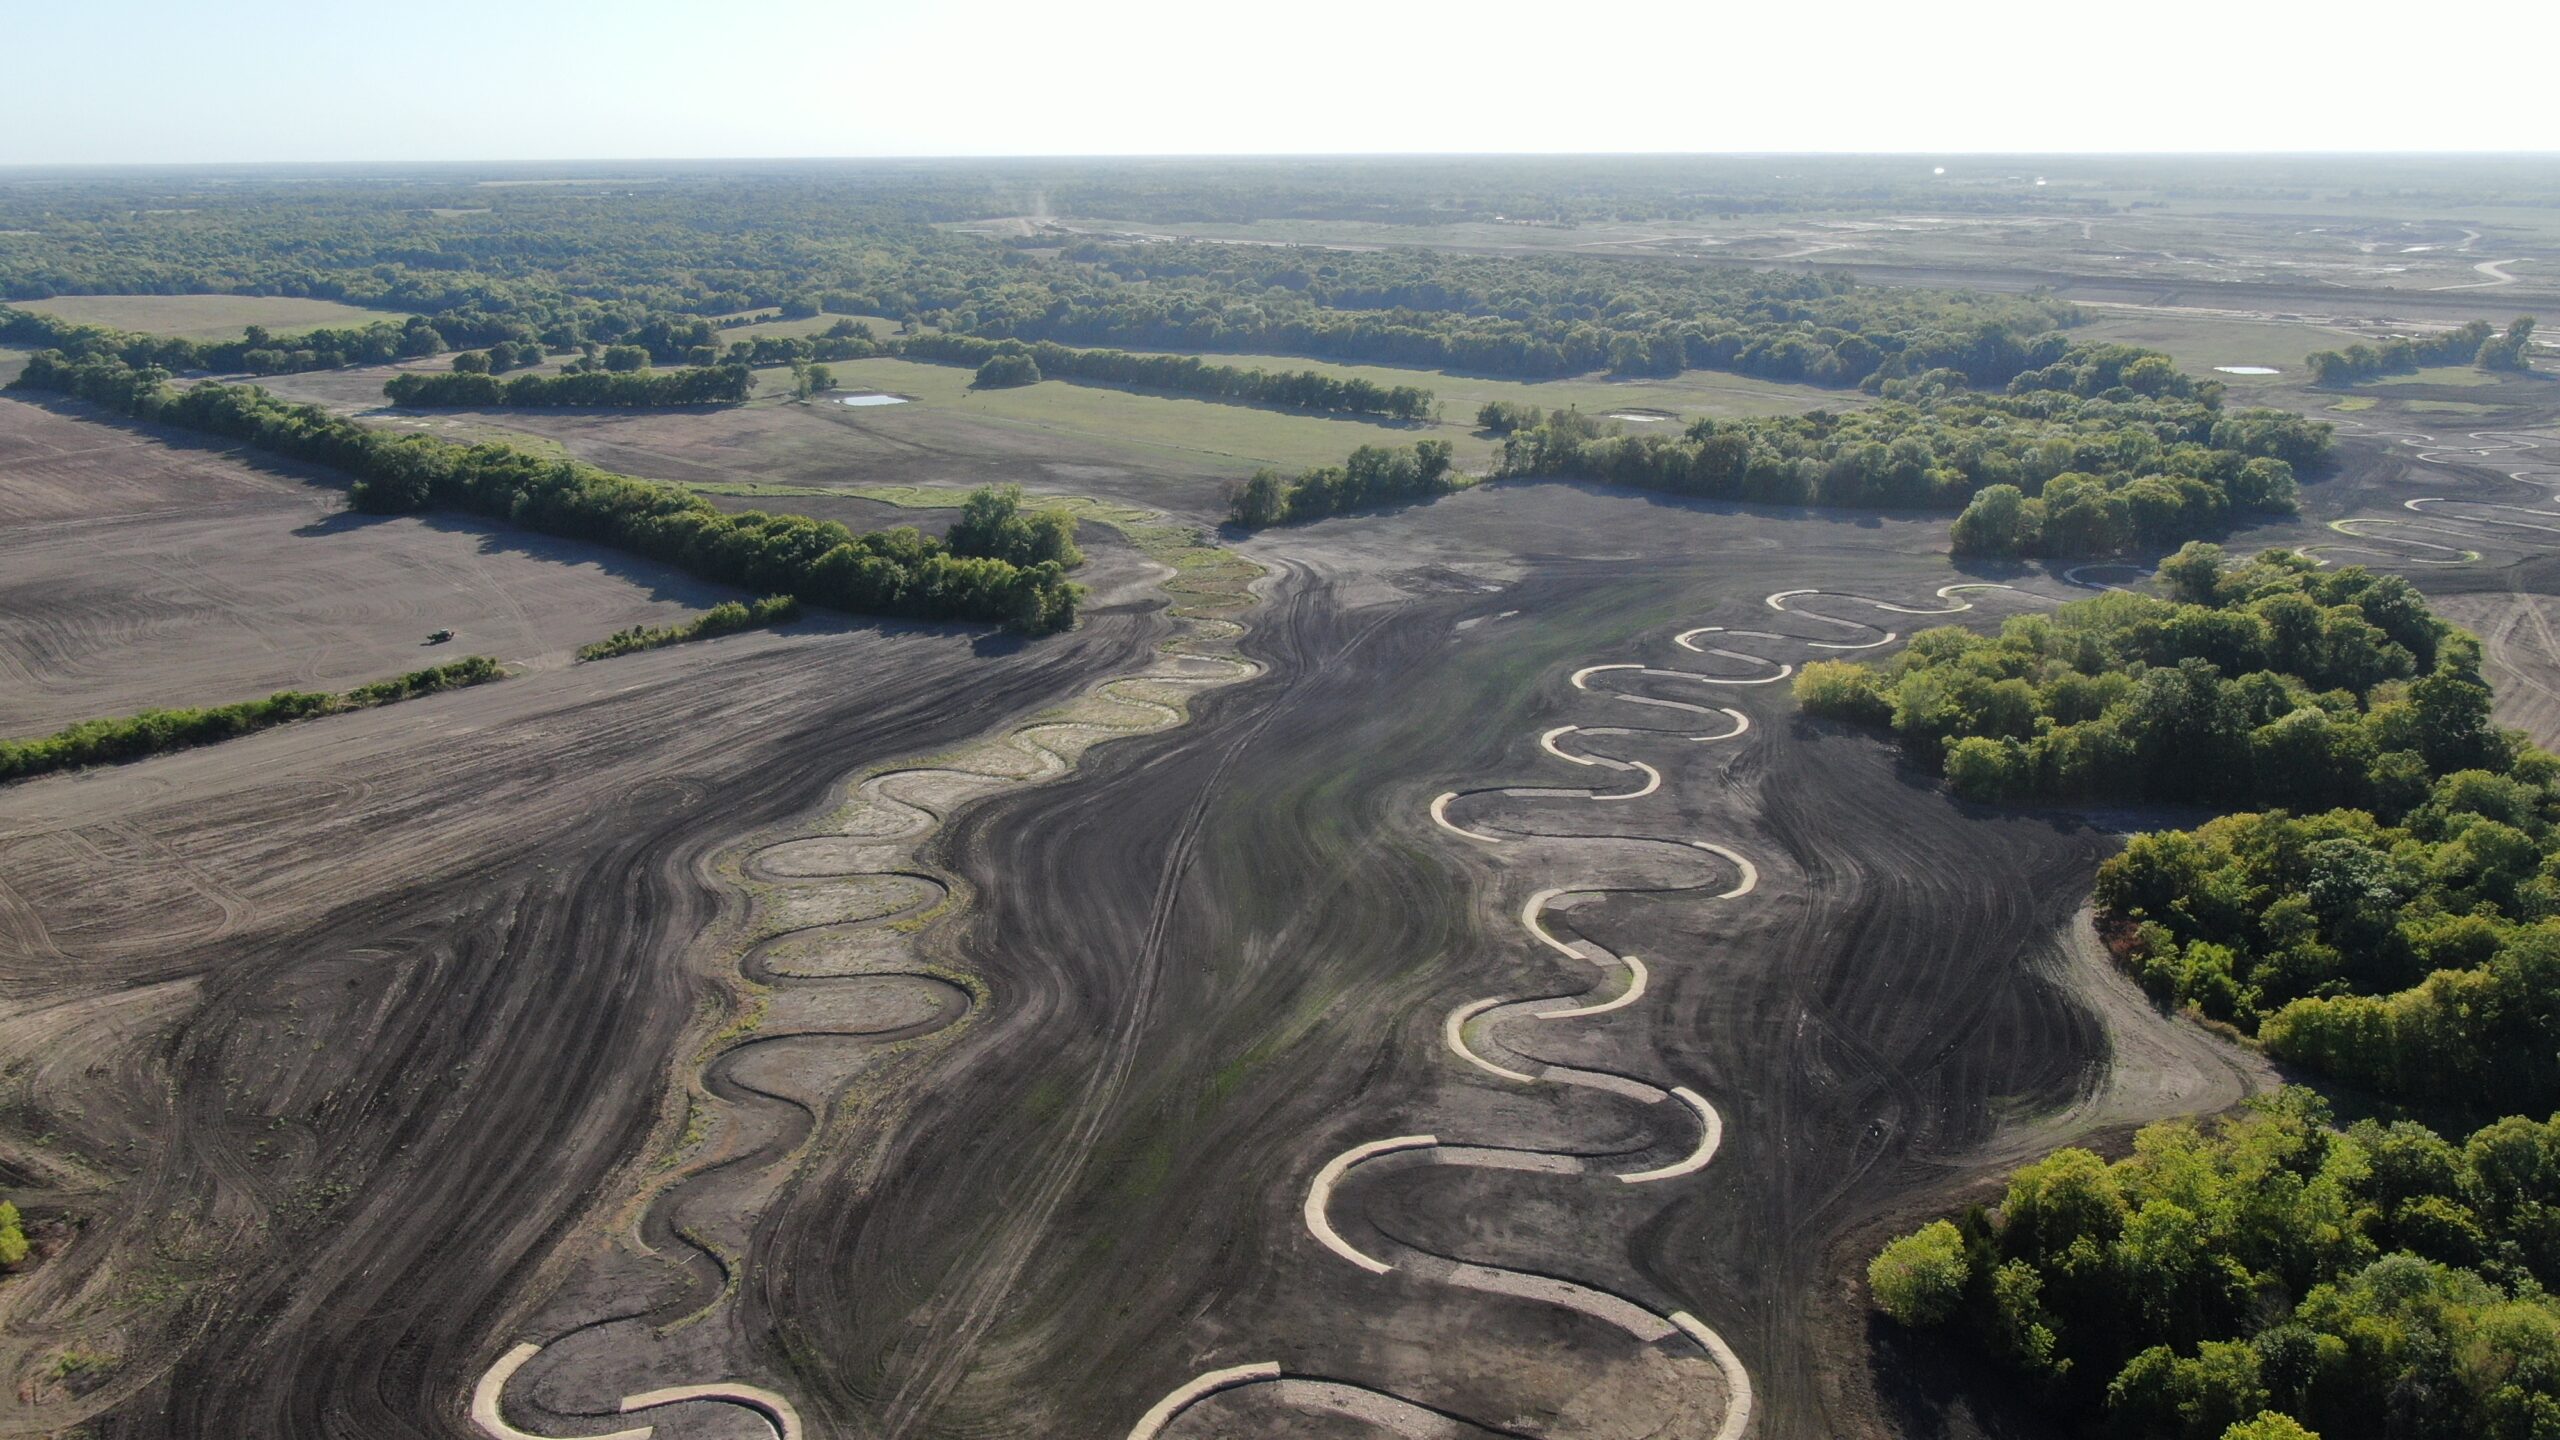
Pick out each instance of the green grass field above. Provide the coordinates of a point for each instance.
(1163, 423)
(881, 326)
(1689, 395)
(2462, 375)
(2201, 342)
(205, 317)
(1292, 439)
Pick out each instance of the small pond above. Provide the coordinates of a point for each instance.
(871, 399)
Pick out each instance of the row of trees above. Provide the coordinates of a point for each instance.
(891, 572)
(726, 618)
(844, 340)
(2476, 343)
(2265, 1278)
(130, 737)
(2040, 471)
(696, 385)
(1185, 374)
(257, 352)
(1373, 475)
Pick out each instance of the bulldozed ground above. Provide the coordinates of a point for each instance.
(871, 1029)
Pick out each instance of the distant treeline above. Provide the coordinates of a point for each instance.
(486, 344)
(257, 352)
(1185, 374)
(1374, 475)
(2106, 448)
(2477, 343)
(130, 737)
(888, 572)
(694, 385)
(660, 265)
(726, 618)
(1529, 316)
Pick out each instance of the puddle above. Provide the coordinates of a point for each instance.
(2248, 369)
(895, 399)
(1641, 417)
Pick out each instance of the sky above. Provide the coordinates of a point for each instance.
(184, 81)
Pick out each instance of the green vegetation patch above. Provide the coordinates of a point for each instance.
(2472, 354)
(2265, 1277)
(152, 732)
(205, 317)
(892, 572)
(2106, 448)
(1209, 581)
(727, 618)
(2385, 909)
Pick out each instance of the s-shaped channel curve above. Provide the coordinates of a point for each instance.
(1470, 1032)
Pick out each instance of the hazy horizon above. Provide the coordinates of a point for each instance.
(162, 83)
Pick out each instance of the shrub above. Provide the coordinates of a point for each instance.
(1920, 1279)
(1005, 371)
(1843, 690)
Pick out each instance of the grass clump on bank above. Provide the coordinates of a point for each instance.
(131, 737)
(727, 618)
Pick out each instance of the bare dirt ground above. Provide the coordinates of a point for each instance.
(1067, 1168)
(1022, 1133)
(135, 572)
(1219, 956)
(322, 1039)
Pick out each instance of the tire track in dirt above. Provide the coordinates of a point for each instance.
(875, 834)
(1484, 1017)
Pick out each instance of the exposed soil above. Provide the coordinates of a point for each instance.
(361, 1049)
(326, 1037)
(135, 574)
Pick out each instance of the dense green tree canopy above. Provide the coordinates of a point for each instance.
(2265, 1277)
